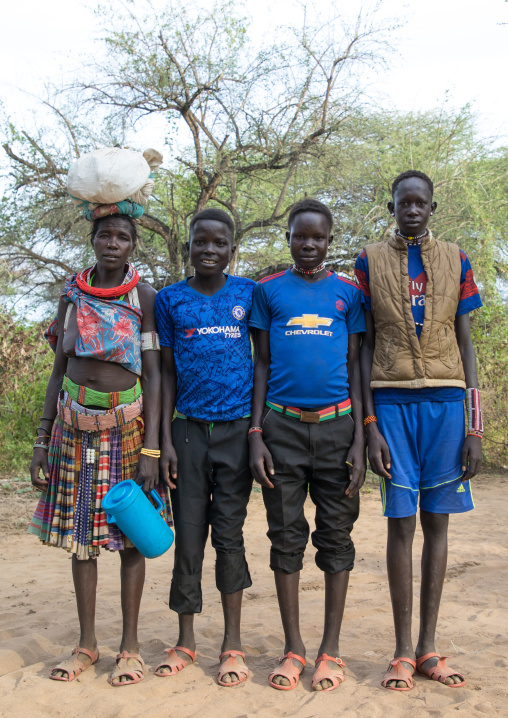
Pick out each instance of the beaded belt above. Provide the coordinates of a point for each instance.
(313, 417)
(79, 418)
(91, 397)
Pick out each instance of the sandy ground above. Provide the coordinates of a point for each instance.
(38, 627)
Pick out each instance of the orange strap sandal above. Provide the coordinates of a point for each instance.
(73, 667)
(439, 672)
(288, 670)
(397, 672)
(135, 675)
(323, 672)
(174, 661)
(231, 665)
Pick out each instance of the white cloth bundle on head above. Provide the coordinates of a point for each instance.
(113, 174)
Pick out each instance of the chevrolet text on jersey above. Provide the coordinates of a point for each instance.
(309, 322)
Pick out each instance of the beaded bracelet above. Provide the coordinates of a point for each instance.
(40, 445)
(154, 453)
(254, 429)
(475, 433)
(474, 412)
(369, 419)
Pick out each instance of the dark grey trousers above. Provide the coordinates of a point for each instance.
(309, 458)
(213, 489)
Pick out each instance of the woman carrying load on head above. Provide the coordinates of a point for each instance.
(100, 426)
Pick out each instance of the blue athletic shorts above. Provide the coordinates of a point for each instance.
(425, 440)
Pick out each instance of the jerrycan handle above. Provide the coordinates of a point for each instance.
(110, 519)
(160, 503)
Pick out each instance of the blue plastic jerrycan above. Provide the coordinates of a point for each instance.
(127, 506)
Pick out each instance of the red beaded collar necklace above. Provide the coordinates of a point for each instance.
(315, 270)
(129, 282)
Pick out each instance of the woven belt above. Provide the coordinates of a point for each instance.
(83, 421)
(91, 397)
(313, 417)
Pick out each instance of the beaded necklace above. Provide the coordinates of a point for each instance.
(413, 240)
(301, 270)
(84, 282)
(90, 280)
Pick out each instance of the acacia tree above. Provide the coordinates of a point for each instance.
(246, 121)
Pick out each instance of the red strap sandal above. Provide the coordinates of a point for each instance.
(287, 670)
(439, 672)
(397, 672)
(324, 672)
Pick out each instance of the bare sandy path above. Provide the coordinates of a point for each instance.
(38, 627)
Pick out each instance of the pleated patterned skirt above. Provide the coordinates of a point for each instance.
(83, 466)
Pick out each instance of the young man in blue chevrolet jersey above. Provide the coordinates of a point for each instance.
(207, 377)
(306, 432)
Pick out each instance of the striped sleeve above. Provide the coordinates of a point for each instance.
(469, 294)
(362, 275)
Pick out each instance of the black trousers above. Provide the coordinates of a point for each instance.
(309, 458)
(213, 489)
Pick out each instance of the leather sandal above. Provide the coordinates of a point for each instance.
(397, 672)
(73, 667)
(288, 670)
(324, 672)
(135, 675)
(439, 672)
(231, 665)
(174, 661)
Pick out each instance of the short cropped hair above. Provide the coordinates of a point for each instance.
(412, 173)
(310, 205)
(217, 215)
(133, 226)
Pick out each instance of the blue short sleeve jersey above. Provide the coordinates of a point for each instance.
(469, 300)
(309, 324)
(211, 344)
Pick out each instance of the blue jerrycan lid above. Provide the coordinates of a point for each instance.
(120, 496)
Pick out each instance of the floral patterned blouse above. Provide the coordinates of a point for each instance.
(108, 329)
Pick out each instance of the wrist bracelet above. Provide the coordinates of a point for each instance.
(154, 453)
(254, 429)
(46, 431)
(369, 419)
(38, 445)
(474, 412)
(475, 433)
(46, 418)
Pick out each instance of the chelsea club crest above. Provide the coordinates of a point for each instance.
(238, 312)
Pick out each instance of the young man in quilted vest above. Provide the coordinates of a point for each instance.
(418, 365)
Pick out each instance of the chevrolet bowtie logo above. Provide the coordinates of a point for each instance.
(309, 321)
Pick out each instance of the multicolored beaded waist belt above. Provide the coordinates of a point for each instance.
(313, 417)
(90, 397)
(77, 416)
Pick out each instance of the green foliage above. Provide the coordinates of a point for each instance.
(490, 338)
(25, 366)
